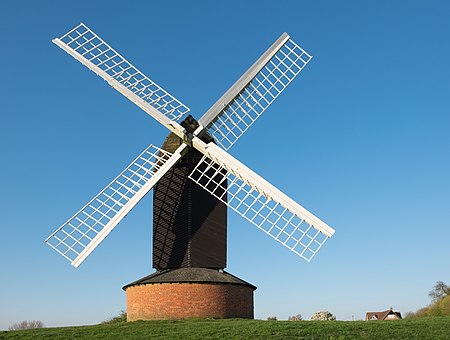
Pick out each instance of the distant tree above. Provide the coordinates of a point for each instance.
(272, 318)
(322, 316)
(297, 317)
(26, 325)
(439, 291)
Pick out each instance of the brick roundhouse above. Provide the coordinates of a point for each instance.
(189, 293)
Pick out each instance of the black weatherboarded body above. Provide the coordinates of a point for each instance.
(189, 224)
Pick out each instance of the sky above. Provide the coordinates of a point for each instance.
(361, 139)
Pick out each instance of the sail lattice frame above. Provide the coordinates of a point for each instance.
(258, 94)
(90, 47)
(286, 224)
(97, 216)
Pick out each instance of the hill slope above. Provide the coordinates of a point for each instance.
(417, 328)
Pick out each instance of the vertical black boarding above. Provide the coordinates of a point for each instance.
(189, 224)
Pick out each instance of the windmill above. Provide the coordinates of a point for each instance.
(195, 179)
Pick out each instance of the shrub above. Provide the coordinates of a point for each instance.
(444, 305)
(122, 317)
(297, 317)
(322, 316)
(422, 312)
(440, 307)
(434, 309)
(409, 315)
(272, 318)
(26, 325)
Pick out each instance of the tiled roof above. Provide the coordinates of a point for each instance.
(382, 315)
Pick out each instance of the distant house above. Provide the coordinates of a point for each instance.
(386, 315)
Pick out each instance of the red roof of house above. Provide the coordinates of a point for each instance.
(382, 315)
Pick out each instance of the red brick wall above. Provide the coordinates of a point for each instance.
(189, 300)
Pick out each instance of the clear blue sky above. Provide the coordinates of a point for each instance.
(361, 139)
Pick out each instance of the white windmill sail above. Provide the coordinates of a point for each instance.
(254, 91)
(93, 52)
(259, 202)
(83, 232)
(249, 194)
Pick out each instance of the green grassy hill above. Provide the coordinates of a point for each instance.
(416, 328)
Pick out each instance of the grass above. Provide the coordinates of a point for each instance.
(415, 328)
